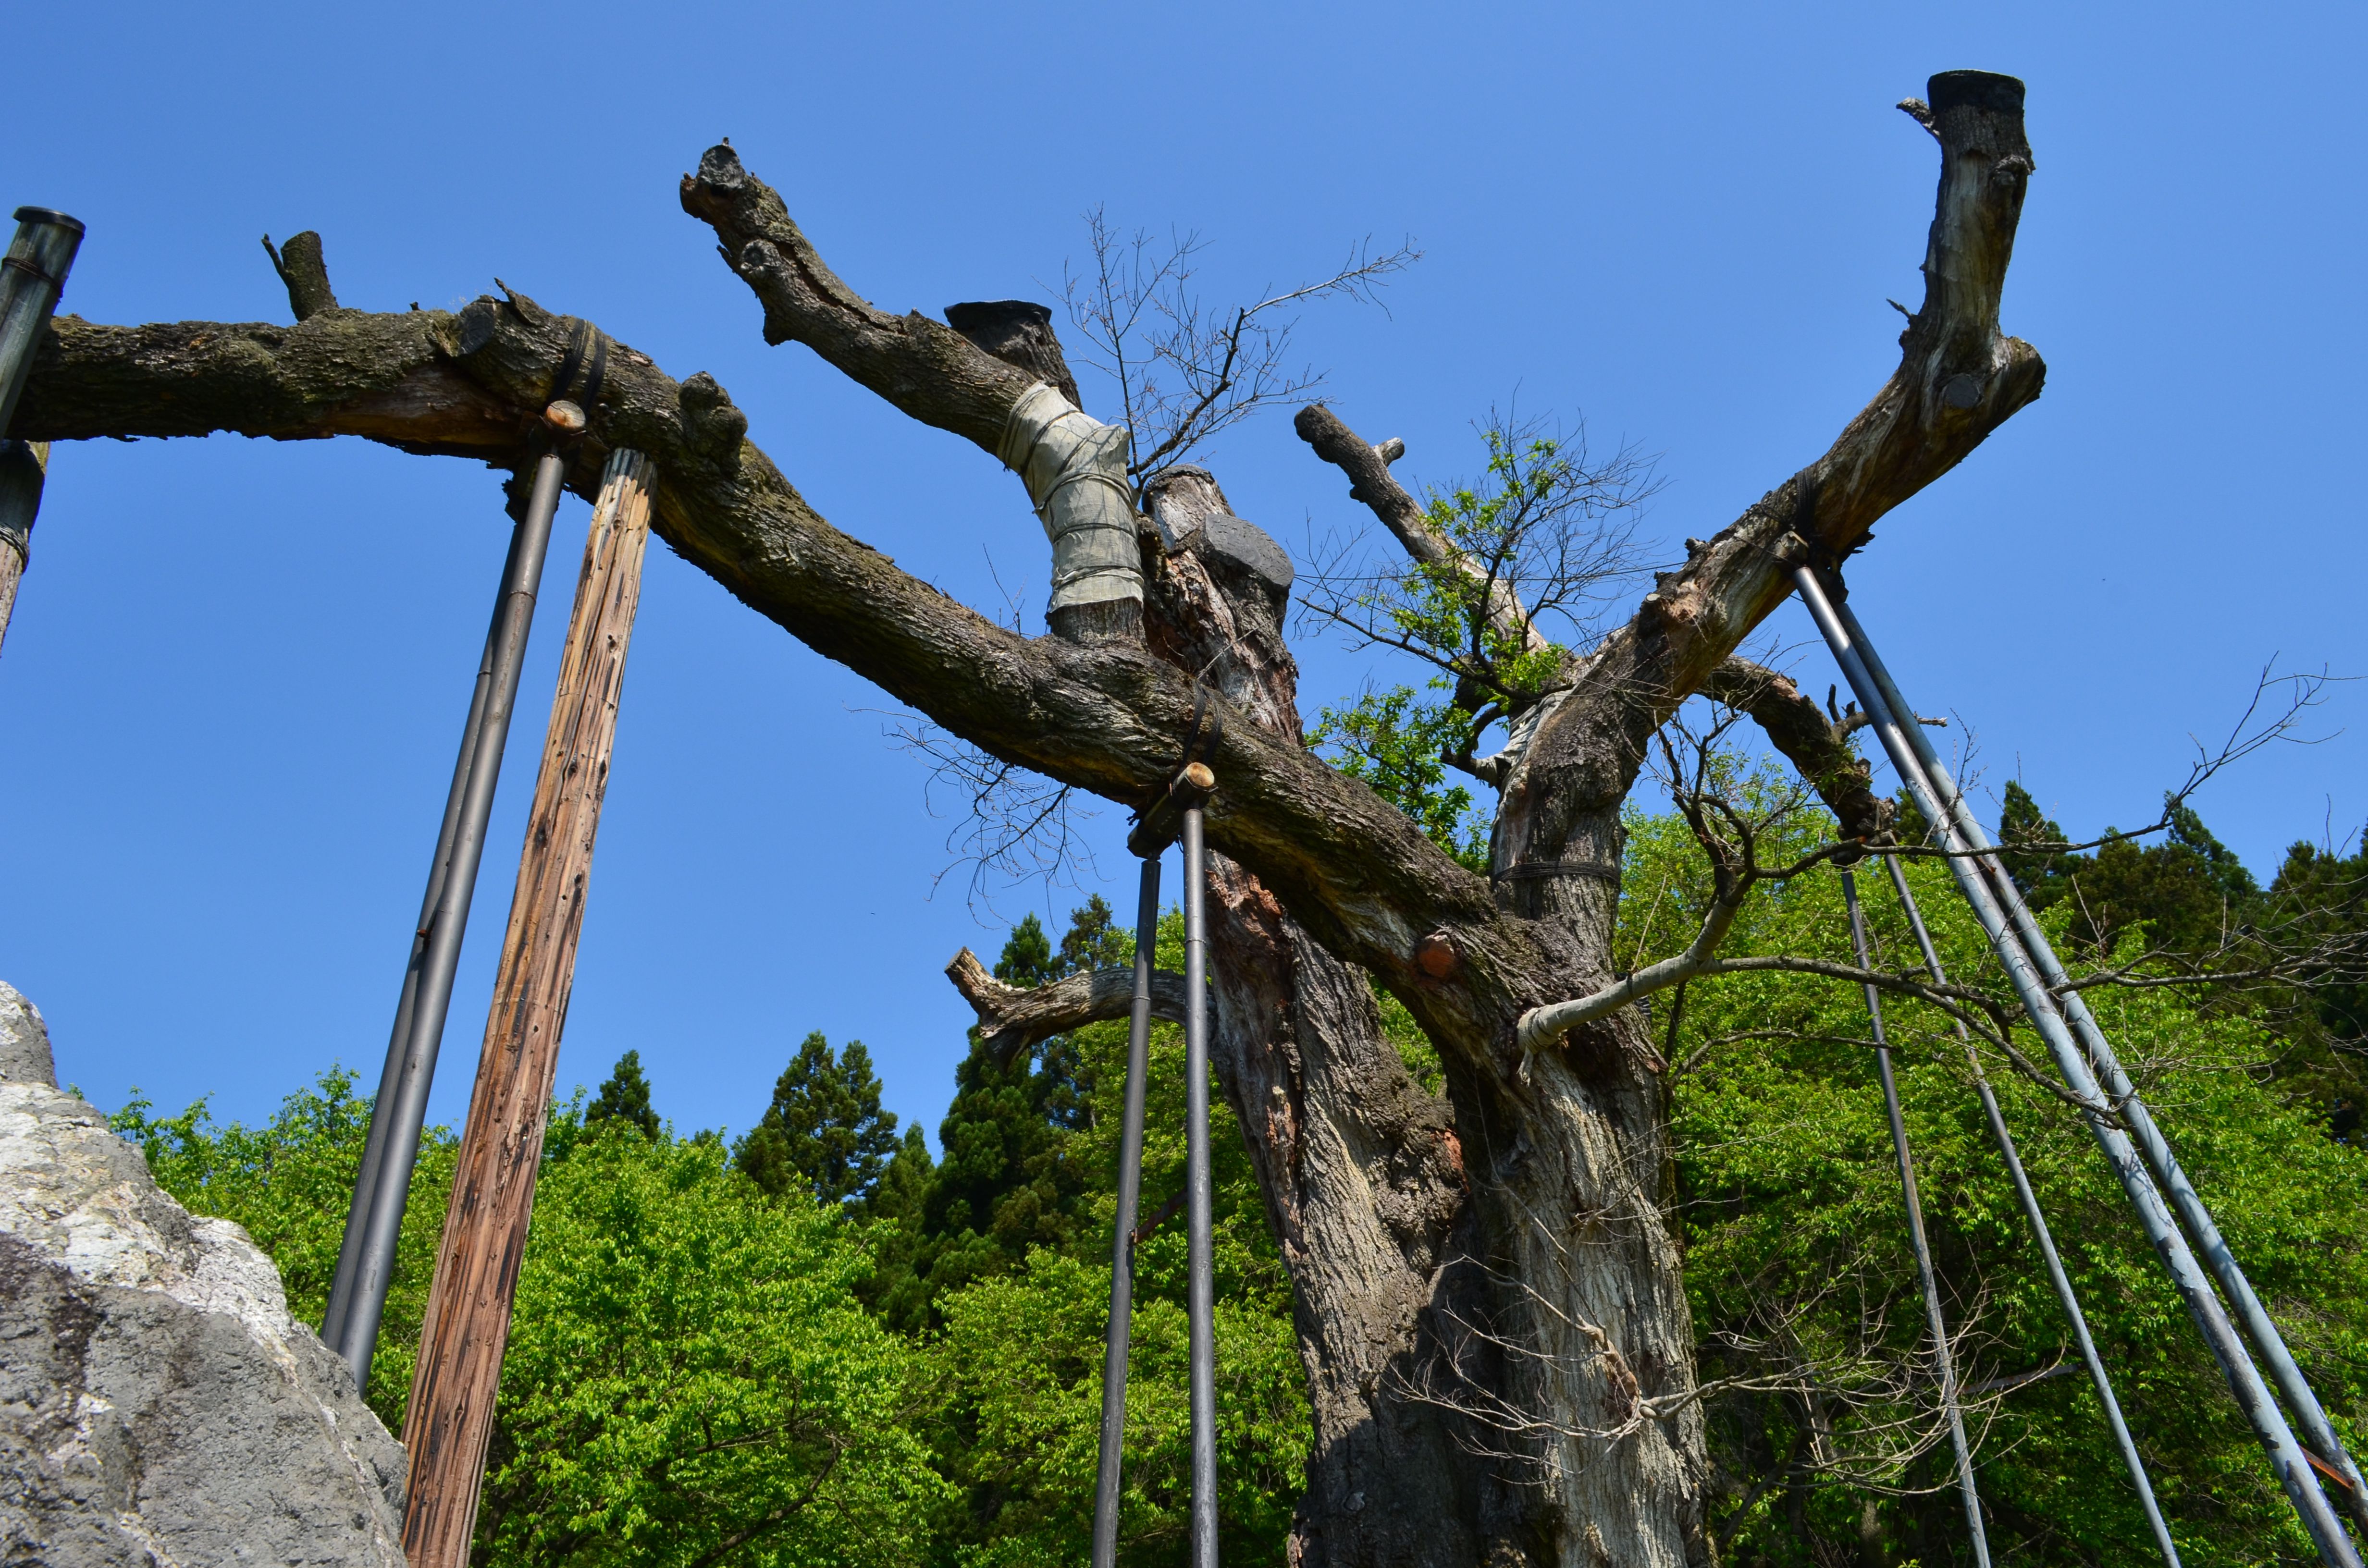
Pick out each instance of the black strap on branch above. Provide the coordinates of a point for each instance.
(1157, 823)
(585, 343)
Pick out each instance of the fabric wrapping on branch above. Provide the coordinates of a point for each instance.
(1074, 468)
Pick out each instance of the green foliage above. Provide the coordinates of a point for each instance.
(2323, 894)
(1021, 1365)
(625, 1098)
(290, 1183)
(692, 1378)
(1397, 742)
(1021, 1347)
(1535, 537)
(1797, 1258)
(1442, 608)
(825, 1132)
(2189, 896)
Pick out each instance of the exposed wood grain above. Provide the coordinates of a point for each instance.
(451, 1413)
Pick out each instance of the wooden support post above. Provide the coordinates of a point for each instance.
(23, 465)
(451, 1413)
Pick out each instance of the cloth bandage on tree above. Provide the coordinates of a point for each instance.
(1074, 468)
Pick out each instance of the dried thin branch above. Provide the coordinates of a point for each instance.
(1014, 824)
(1186, 370)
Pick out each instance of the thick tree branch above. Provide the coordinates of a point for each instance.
(924, 367)
(1013, 1017)
(1107, 719)
(1958, 380)
(1794, 726)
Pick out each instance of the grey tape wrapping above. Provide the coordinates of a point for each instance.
(1074, 468)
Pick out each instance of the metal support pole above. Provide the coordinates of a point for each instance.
(334, 1322)
(1933, 1319)
(2038, 1223)
(24, 466)
(1199, 1300)
(1130, 1195)
(31, 278)
(2252, 1395)
(2300, 1401)
(404, 1094)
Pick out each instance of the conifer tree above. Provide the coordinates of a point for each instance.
(625, 1098)
(825, 1132)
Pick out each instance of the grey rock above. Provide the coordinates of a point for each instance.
(158, 1405)
(24, 1041)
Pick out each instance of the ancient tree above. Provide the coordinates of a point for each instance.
(1489, 1291)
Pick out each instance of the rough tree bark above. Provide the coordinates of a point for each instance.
(1563, 1346)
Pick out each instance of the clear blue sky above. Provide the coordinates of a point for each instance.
(237, 671)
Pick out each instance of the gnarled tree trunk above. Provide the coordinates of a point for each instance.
(1491, 1301)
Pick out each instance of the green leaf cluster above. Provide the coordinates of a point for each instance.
(692, 1378)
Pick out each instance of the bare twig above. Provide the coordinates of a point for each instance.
(1186, 370)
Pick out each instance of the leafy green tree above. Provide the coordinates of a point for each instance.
(290, 1183)
(2188, 894)
(2321, 894)
(891, 1212)
(825, 1132)
(1803, 1290)
(2023, 829)
(625, 1098)
(1537, 538)
(692, 1378)
(1095, 939)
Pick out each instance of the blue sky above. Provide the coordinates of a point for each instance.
(238, 669)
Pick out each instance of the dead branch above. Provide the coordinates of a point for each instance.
(1958, 379)
(1013, 1017)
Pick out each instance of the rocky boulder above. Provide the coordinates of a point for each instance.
(158, 1406)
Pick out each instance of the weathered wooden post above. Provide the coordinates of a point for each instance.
(451, 1413)
(31, 278)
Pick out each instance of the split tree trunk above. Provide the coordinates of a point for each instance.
(450, 1419)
